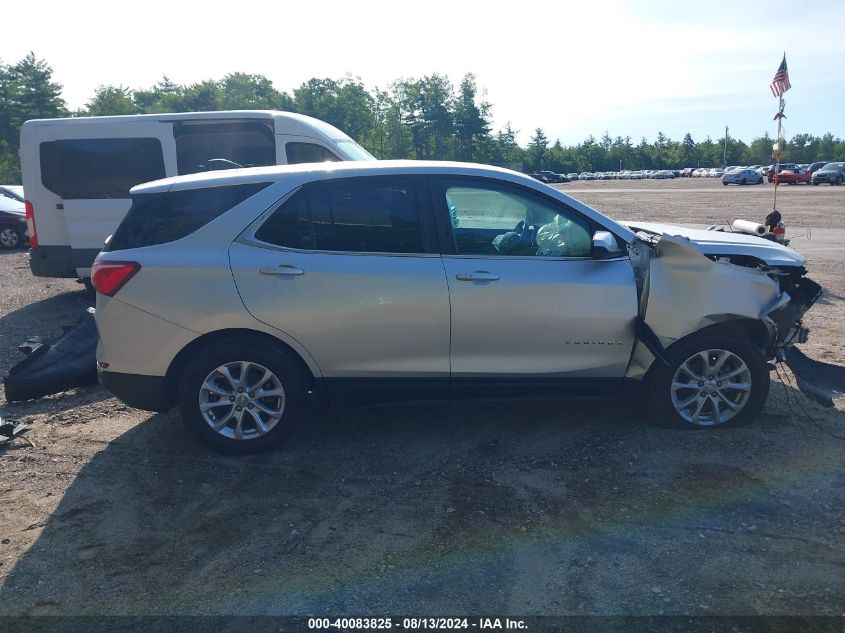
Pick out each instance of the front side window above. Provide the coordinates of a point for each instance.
(297, 153)
(99, 168)
(355, 215)
(208, 146)
(493, 219)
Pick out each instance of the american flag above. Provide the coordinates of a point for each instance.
(780, 83)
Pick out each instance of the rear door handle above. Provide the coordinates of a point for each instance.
(284, 269)
(477, 275)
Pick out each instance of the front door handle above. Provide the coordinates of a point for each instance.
(477, 275)
(284, 269)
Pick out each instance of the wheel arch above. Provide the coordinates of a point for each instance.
(761, 334)
(754, 329)
(191, 349)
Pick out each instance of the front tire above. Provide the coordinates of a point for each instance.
(243, 396)
(11, 237)
(716, 379)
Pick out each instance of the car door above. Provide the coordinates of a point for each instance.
(528, 299)
(349, 268)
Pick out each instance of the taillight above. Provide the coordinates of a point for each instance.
(30, 224)
(109, 277)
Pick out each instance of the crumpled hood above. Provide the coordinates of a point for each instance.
(726, 243)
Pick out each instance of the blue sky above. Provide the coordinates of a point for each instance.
(572, 68)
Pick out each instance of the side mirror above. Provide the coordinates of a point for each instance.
(604, 244)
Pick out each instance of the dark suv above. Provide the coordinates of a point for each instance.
(833, 173)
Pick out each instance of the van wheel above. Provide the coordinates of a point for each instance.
(715, 379)
(10, 237)
(242, 396)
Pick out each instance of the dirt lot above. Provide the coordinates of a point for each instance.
(517, 509)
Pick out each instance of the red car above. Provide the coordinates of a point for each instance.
(792, 176)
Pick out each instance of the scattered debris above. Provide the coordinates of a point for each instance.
(10, 430)
(54, 365)
(818, 380)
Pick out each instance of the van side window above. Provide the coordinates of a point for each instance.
(247, 143)
(158, 218)
(380, 216)
(308, 153)
(96, 168)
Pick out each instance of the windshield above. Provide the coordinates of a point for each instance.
(834, 166)
(353, 151)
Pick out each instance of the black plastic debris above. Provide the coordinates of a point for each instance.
(54, 365)
(11, 430)
(817, 380)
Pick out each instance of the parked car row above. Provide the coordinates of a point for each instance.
(550, 177)
(707, 172)
(793, 173)
(789, 173)
(627, 174)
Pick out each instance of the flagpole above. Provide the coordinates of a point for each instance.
(777, 153)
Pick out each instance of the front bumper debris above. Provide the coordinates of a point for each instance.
(819, 381)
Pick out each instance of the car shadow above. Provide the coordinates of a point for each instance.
(392, 510)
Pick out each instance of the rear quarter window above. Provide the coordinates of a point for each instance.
(158, 218)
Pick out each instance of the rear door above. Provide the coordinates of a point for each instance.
(348, 268)
(86, 172)
(528, 300)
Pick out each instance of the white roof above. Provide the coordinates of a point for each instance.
(297, 175)
(304, 125)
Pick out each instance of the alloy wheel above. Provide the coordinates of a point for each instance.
(711, 387)
(242, 400)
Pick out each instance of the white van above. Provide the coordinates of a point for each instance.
(77, 172)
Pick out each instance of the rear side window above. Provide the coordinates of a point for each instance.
(247, 143)
(90, 169)
(308, 153)
(379, 216)
(158, 218)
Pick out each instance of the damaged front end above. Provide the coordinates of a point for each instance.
(686, 284)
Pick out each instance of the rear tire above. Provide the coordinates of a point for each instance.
(715, 379)
(220, 395)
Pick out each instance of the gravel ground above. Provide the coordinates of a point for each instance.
(518, 509)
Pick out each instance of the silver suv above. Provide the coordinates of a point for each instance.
(250, 297)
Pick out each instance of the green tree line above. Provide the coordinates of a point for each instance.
(426, 118)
